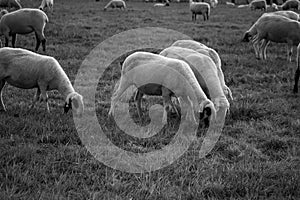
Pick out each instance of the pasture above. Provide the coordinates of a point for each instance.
(256, 157)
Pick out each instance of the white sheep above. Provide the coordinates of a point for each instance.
(258, 4)
(297, 73)
(230, 3)
(24, 21)
(116, 4)
(205, 72)
(289, 5)
(199, 8)
(275, 28)
(27, 70)
(257, 43)
(141, 68)
(10, 4)
(203, 49)
(161, 4)
(46, 4)
(274, 6)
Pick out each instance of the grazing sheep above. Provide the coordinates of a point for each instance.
(24, 21)
(274, 6)
(46, 4)
(161, 4)
(203, 49)
(204, 70)
(116, 4)
(174, 75)
(230, 3)
(199, 8)
(10, 4)
(27, 70)
(289, 5)
(275, 28)
(297, 73)
(258, 4)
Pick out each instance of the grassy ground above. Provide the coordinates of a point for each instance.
(257, 156)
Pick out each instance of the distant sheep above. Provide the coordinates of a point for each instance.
(116, 4)
(275, 28)
(203, 49)
(258, 4)
(175, 75)
(10, 4)
(46, 4)
(290, 5)
(27, 70)
(24, 21)
(161, 4)
(199, 8)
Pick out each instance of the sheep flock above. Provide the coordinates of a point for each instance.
(232, 76)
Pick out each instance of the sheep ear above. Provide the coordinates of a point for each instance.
(75, 103)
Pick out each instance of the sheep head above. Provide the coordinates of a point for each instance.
(246, 37)
(74, 101)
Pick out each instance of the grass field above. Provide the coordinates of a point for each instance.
(256, 157)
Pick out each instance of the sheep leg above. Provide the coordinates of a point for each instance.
(13, 40)
(297, 75)
(189, 115)
(289, 52)
(38, 41)
(124, 84)
(43, 95)
(2, 107)
(167, 103)
(263, 49)
(6, 41)
(35, 98)
(138, 101)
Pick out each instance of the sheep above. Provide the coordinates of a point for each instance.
(230, 3)
(258, 4)
(174, 75)
(24, 21)
(116, 4)
(204, 70)
(286, 13)
(27, 70)
(289, 5)
(297, 73)
(198, 8)
(274, 6)
(161, 4)
(10, 4)
(275, 28)
(46, 4)
(203, 49)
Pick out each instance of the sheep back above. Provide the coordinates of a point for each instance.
(258, 4)
(23, 21)
(25, 69)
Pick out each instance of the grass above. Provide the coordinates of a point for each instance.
(256, 157)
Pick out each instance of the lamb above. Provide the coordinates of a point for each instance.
(141, 68)
(275, 28)
(27, 70)
(258, 4)
(46, 4)
(116, 4)
(289, 5)
(297, 73)
(10, 4)
(205, 72)
(203, 49)
(199, 8)
(24, 21)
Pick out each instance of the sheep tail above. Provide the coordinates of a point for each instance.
(297, 73)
